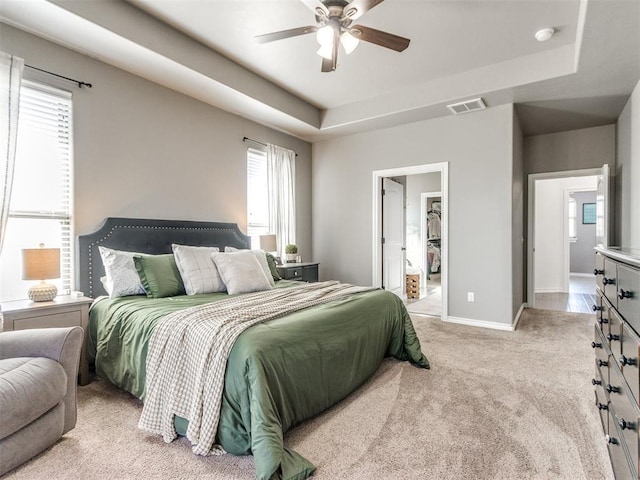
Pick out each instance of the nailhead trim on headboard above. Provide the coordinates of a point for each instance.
(215, 234)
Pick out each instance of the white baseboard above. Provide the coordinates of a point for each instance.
(517, 318)
(550, 290)
(480, 323)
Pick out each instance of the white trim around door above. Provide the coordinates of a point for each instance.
(378, 175)
(531, 198)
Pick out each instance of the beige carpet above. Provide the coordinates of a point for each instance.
(495, 405)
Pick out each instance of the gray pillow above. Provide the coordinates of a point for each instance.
(261, 256)
(197, 269)
(241, 272)
(121, 275)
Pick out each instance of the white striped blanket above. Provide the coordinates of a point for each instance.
(188, 352)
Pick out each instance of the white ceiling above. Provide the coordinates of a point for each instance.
(459, 50)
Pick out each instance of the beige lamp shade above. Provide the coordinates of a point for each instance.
(268, 243)
(41, 264)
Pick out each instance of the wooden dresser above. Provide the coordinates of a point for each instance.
(617, 355)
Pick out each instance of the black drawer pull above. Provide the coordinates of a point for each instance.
(595, 382)
(597, 308)
(611, 389)
(622, 294)
(627, 361)
(603, 363)
(612, 337)
(598, 272)
(628, 425)
(602, 406)
(610, 440)
(608, 281)
(596, 345)
(603, 320)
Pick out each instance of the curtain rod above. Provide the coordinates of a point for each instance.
(247, 139)
(80, 83)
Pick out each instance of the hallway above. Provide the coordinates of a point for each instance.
(580, 299)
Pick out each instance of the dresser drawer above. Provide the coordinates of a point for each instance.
(602, 402)
(602, 315)
(629, 295)
(599, 270)
(293, 273)
(610, 281)
(602, 354)
(617, 452)
(624, 413)
(615, 332)
(628, 361)
(67, 319)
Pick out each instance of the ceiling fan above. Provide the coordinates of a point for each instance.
(334, 26)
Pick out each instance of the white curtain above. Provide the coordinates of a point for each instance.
(281, 164)
(10, 79)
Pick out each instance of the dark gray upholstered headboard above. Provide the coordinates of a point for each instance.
(147, 236)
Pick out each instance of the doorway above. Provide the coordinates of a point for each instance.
(418, 261)
(558, 257)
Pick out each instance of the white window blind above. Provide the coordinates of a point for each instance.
(41, 200)
(257, 193)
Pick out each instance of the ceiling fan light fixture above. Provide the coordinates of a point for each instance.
(325, 51)
(349, 42)
(325, 36)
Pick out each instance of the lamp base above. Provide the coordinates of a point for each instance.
(43, 292)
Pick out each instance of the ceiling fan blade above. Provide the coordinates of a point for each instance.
(317, 7)
(357, 8)
(384, 39)
(294, 32)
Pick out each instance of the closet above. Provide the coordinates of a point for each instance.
(433, 235)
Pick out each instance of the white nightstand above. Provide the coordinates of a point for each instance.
(63, 311)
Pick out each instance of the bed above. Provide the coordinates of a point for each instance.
(279, 372)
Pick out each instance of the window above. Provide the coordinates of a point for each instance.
(257, 193)
(40, 210)
(573, 220)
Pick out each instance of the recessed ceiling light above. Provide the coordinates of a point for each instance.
(544, 34)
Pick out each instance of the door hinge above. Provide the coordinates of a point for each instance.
(383, 192)
(382, 240)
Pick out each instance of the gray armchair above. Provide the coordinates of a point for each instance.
(38, 377)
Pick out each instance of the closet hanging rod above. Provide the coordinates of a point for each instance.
(79, 82)
(247, 139)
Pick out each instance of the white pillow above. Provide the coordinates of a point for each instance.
(199, 273)
(121, 275)
(241, 272)
(261, 256)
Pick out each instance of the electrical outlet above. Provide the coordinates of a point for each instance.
(470, 297)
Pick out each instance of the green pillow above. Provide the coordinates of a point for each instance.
(271, 261)
(159, 275)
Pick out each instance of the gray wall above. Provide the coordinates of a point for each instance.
(478, 148)
(581, 251)
(518, 253)
(142, 150)
(627, 201)
(571, 150)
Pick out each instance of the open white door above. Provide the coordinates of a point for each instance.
(602, 208)
(393, 264)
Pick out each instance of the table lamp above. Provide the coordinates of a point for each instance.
(268, 243)
(41, 264)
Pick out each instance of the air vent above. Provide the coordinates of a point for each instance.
(467, 106)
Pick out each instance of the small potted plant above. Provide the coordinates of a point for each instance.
(291, 251)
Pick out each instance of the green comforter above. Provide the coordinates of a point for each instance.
(279, 373)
